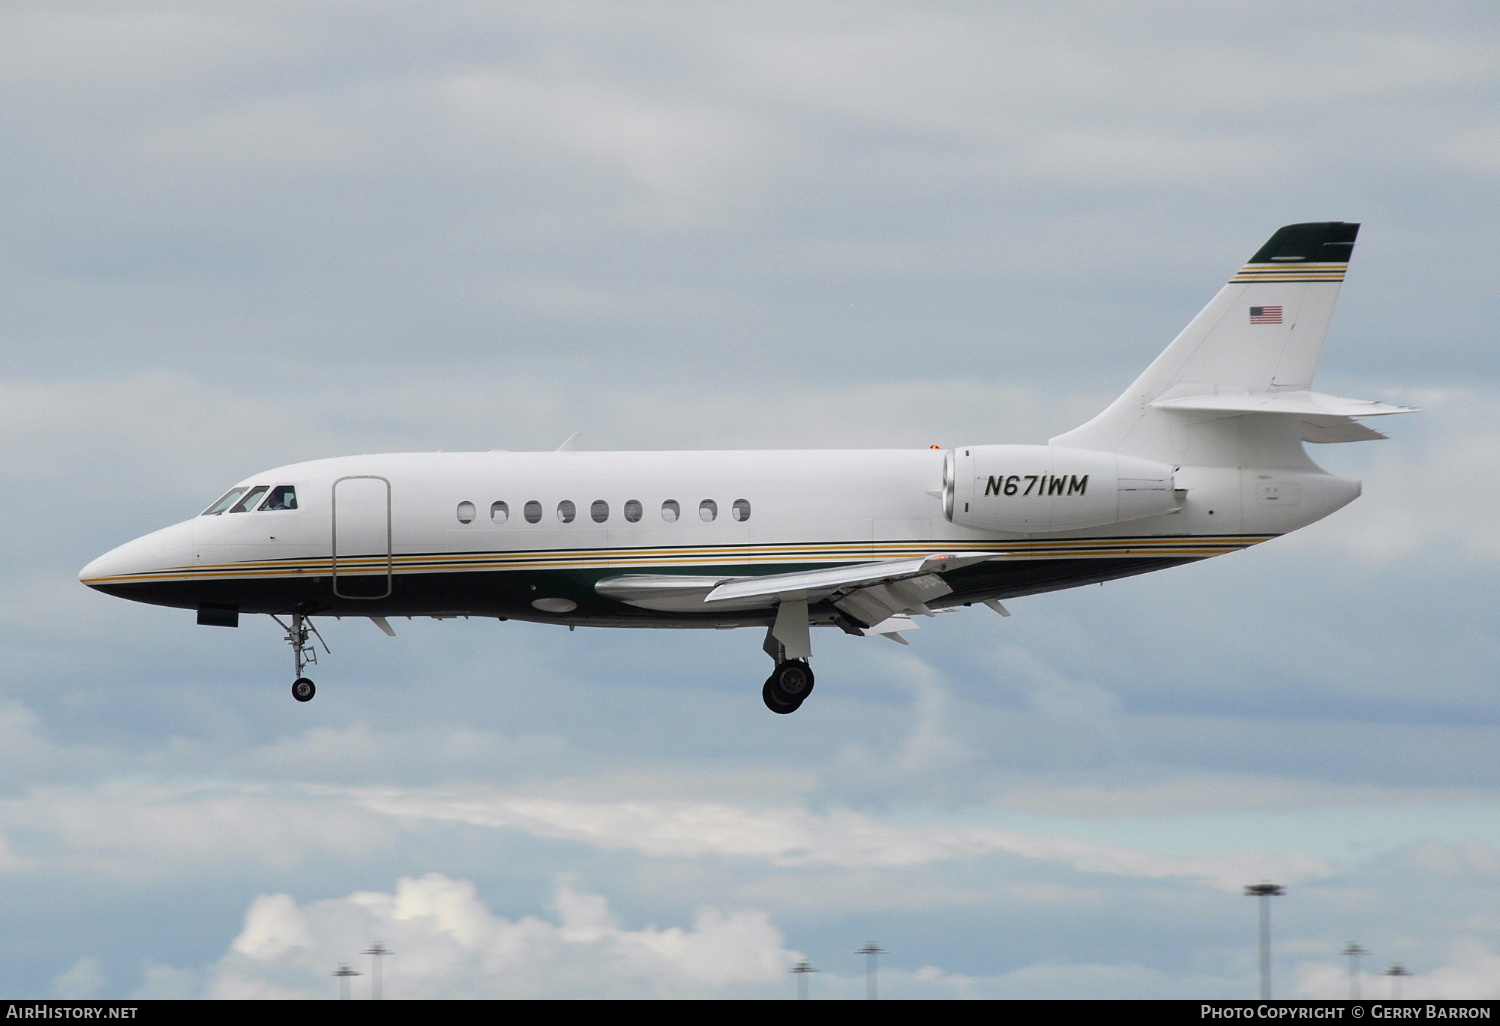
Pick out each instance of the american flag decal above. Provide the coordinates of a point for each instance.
(1265, 315)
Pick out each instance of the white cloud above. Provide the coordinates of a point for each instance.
(147, 829)
(83, 979)
(800, 838)
(85, 55)
(1432, 490)
(447, 943)
(1470, 969)
(247, 236)
(679, 154)
(273, 926)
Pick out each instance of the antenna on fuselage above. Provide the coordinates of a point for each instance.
(571, 443)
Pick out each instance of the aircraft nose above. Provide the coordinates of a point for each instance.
(142, 559)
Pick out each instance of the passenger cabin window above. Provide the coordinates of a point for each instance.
(466, 512)
(599, 511)
(281, 497)
(225, 501)
(633, 510)
(499, 512)
(251, 498)
(708, 509)
(566, 511)
(740, 510)
(533, 512)
(670, 511)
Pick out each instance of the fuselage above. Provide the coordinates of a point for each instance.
(531, 535)
(1203, 454)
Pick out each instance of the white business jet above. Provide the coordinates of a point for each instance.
(1201, 456)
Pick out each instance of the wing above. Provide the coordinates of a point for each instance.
(870, 593)
(815, 585)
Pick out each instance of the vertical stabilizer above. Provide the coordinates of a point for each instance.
(1261, 336)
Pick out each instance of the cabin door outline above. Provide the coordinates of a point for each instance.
(362, 527)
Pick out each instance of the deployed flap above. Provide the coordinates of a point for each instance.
(892, 628)
(873, 604)
(891, 625)
(1300, 402)
(807, 583)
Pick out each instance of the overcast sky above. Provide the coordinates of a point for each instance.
(234, 236)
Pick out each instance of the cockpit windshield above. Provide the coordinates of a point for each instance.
(251, 498)
(228, 499)
(244, 498)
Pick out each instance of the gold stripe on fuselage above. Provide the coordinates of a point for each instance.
(648, 559)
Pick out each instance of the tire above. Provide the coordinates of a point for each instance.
(303, 689)
(793, 681)
(770, 696)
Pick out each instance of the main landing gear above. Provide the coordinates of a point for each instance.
(788, 643)
(788, 686)
(304, 653)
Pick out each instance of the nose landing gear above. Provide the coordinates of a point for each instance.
(304, 653)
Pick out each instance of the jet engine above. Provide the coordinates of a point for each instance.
(1037, 489)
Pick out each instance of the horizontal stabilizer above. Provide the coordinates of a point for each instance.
(1325, 418)
(1300, 402)
(1337, 429)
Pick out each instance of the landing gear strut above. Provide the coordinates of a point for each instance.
(788, 643)
(788, 686)
(304, 652)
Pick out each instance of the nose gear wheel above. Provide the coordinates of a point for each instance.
(299, 634)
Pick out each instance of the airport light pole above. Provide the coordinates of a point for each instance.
(1354, 951)
(1265, 892)
(344, 973)
(1395, 972)
(801, 970)
(870, 950)
(377, 951)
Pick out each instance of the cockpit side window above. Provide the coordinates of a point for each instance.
(225, 501)
(281, 497)
(251, 498)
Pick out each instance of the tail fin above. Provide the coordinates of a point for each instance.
(1250, 353)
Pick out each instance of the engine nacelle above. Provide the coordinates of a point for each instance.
(1036, 489)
